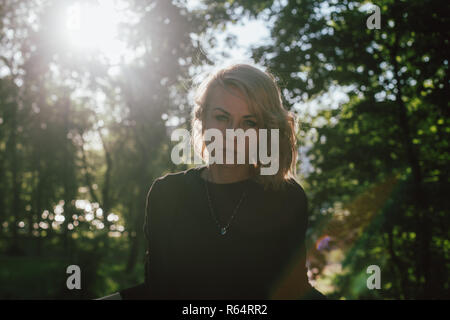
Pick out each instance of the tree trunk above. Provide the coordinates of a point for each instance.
(423, 238)
(67, 170)
(15, 180)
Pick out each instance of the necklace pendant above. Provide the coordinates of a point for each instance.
(223, 230)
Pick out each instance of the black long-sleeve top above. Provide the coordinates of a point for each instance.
(261, 256)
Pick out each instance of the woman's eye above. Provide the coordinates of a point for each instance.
(221, 118)
(250, 123)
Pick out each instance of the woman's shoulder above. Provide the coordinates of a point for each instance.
(177, 179)
(295, 187)
(296, 192)
(172, 184)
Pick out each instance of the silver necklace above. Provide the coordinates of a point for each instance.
(222, 229)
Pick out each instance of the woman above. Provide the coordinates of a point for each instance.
(225, 231)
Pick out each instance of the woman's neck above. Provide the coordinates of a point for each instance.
(227, 173)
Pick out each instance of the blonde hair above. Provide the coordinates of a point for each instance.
(263, 96)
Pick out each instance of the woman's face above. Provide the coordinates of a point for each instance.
(227, 109)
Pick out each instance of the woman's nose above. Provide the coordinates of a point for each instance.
(233, 125)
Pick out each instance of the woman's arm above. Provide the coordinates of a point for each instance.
(308, 292)
(295, 284)
(155, 235)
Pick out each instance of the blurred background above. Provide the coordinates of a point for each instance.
(90, 91)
